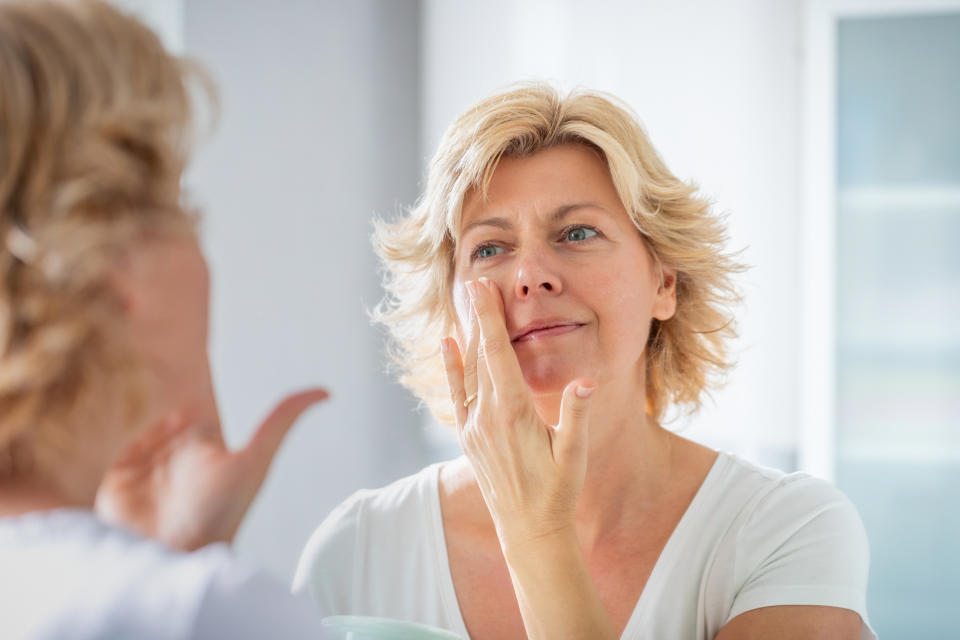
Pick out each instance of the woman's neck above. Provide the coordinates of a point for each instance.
(634, 465)
(22, 495)
(68, 475)
(630, 465)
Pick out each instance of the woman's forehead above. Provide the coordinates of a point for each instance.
(563, 177)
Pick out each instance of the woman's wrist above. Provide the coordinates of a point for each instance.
(554, 588)
(522, 543)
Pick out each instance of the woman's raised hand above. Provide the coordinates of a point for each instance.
(179, 483)
(530, 473)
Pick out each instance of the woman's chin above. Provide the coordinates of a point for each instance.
(549, 381)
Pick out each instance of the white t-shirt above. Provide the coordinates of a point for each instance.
(66, 574)
(752, 537)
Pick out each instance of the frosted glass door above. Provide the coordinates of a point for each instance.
(898, 306)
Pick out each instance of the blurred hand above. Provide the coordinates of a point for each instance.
(178, 482)
(530, 473)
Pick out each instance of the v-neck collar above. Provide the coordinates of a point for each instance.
(674, 547)
(666, 559)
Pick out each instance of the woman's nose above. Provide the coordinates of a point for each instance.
(535, 276)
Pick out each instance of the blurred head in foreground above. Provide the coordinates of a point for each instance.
(103, 289)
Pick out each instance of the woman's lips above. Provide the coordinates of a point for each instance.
(547, 332)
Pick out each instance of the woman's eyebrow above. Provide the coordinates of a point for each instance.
(557, 215)
(562, 211)
(493, 221)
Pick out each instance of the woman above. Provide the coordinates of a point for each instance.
(105, 389)
(586, 288)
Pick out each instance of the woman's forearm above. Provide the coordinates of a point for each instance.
(556, 594)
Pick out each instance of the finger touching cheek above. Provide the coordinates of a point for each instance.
(463, 309)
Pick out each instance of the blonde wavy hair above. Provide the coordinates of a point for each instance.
(95, 121)
(686, 354)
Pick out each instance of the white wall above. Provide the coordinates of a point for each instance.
(716, 85)
(318, 132)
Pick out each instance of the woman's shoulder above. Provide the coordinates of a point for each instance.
(764, 537)
(794, 521)
(794, 539)
(769, 494)
(745, 510)
(369, 519)
(399, 499)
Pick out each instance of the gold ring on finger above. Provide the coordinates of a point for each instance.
(470, 398)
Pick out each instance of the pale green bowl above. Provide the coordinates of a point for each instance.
(372, 628)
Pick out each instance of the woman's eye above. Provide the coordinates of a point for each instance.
(487, 251)
(579, 234)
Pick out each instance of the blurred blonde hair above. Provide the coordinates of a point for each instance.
(95, 122)
(685, 354)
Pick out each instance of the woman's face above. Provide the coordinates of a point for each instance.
(579, 287)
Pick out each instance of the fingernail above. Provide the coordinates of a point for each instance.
(485, 282)
(584, 392)
(444, 345)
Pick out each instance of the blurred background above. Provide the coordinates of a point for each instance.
(828, 130)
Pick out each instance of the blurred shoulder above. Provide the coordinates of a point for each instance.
(133, 587)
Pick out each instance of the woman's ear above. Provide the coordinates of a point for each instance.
(665, 301)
